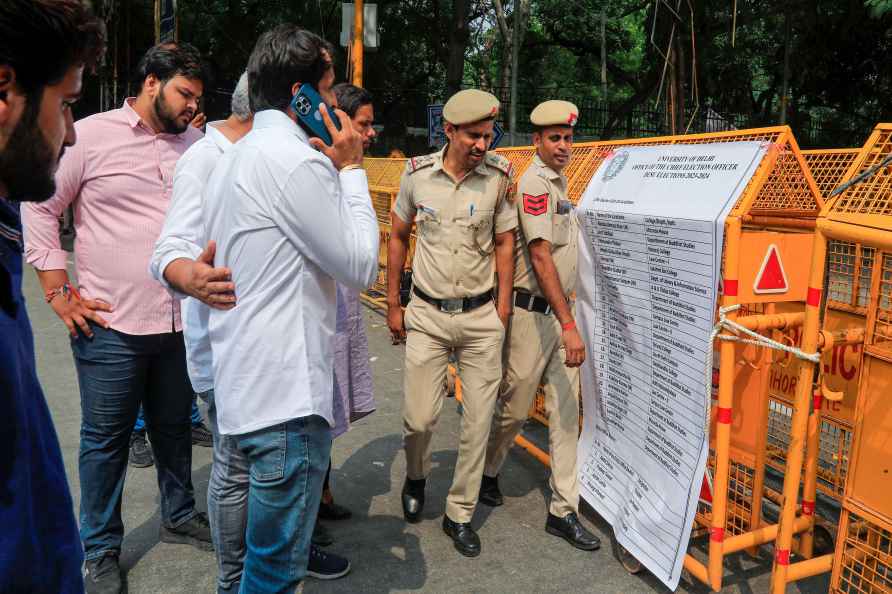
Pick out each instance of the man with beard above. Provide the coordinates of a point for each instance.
(125, 326)
(460, 198)
(44, 47)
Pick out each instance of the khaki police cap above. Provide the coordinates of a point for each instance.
(469, 106)
(555, 113)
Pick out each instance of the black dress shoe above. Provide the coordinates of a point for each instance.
(463, 537)
(570, 529)
(489, 491)
(413, 499)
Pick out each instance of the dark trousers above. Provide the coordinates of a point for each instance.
(117, 372)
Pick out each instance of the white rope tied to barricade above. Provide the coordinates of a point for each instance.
(756, 339)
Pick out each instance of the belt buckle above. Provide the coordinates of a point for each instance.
(452, 305)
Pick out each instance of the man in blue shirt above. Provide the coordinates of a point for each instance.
(44, 47)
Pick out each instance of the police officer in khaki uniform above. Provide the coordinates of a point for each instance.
(543, 344)
(461, 200)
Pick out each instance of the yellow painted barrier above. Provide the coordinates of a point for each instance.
(853, 246)
(778, 208)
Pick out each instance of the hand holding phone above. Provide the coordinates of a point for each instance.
(308, 105)
(346, 146)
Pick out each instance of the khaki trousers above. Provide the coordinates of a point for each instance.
(533, 355)
(476, 339)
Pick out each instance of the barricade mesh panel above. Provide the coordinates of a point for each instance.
(785, 191)
(828, 167)
(740, 498)
(872, 196)
(866, 563)
(834, 444)
(882, 332)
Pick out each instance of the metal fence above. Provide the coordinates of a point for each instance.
(402, 116)
(603, 120)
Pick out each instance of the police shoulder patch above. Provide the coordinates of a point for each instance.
(499, 162)
(535, 205)
(413, 164)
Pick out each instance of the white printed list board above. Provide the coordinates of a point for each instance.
(651, 232)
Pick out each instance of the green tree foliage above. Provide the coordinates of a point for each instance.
(727, 61)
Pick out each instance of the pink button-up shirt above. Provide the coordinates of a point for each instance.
(119, 176)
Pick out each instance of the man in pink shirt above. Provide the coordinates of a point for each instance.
(125, 326)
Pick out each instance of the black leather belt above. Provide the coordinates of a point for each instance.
(454, 305)
(531, 302)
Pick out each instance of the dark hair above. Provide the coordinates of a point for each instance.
(167, 60)
(351, 98)
(42, 39)
(283, 56)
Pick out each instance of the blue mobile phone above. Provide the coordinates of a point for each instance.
(306, 105)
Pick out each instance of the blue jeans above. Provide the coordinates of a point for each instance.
(287, 467)
(227, 502)
(116, 372)
(196, 419)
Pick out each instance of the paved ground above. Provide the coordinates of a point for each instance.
(388, 555)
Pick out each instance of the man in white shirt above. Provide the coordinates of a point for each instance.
(289, 222)
(179, 263)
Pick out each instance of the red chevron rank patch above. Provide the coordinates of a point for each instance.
(535, 205)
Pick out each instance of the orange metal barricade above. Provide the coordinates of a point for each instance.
(840, 364)
(777, 208)
(384, 184)
(852, 258)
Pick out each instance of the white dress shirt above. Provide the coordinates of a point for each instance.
(181, 237)
(289, 226)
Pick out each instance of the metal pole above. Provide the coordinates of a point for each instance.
(799, 422)
(157, 21)
(785, 85)
(356, 51)
(515, 53)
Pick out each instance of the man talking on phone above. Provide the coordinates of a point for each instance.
(297, 220)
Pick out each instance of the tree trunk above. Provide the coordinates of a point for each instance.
(505, 58)
(458, 44)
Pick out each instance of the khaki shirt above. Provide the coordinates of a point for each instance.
(456, 223)
(538, 193)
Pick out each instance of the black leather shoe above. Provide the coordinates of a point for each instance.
(489, 491)
(413, 499)
(463, 537)
(570, 529)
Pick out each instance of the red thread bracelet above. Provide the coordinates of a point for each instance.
(569, 325)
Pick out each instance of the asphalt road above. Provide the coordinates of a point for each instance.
(387, 554)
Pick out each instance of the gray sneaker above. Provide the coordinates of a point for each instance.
(202, 436)
(103, 576)
(140, 452)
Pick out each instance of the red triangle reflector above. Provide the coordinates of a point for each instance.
(771, 277)
(706, 489)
